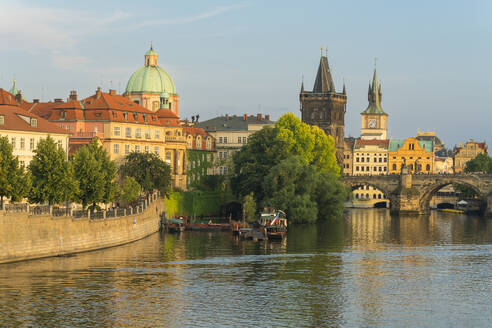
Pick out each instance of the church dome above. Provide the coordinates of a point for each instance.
(150, 78)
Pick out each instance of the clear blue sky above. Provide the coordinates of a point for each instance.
(434, 57)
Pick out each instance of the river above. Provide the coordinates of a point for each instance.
(370, 269)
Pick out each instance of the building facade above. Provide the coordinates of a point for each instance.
(325, 107)
(200, 154)
(24, 130)
(231, 132)
(416, 155)
(466, 152)
(348, 156)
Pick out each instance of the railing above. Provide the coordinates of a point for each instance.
(16, 208)
(175, 138)
(86, 134)
(142, 204)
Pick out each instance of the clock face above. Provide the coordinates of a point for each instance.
(372, 123)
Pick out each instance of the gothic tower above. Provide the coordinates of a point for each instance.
(325, 107)
(374, 119)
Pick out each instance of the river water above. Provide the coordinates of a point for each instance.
(368, 270)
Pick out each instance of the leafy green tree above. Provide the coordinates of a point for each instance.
(290, 186)
(51, 175)
(249, 207)
(14, 181)
(130, 190)
(481, 163)
(309, 142)
(330, 195)
(149, 171)
(95, 172)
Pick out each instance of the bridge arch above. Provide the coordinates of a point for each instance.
(358, 184)
(431, 190)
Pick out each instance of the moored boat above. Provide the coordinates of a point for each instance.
(274, 223)
(175, 225)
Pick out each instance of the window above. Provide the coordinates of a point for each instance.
(427, 167)
(238, 139)
(31, 144)
(362, 159)
(22, 143)
(244, 140)
(156, 150)
(147, 134)
(367, 169)
(357, 159)
(220, 140)
(114, 115)
(375, 169)
(225, 140)
(34, 122)
(135, 117)
(2, 120)
(394, 166)
(208, 143)
(367, 160)
(384, 168)
(125, 116)
(127, 149)
(12, 141)
(116, 148)
(168, 157)
(138, 133)
(379, 196)
(137, 148)
(356, 196)
(380, 159)
(357, 168)
(59, 144)
(373, 196)
(198, 142)
(128, 132)
(157, 134)
(147, 149)
(116, 131)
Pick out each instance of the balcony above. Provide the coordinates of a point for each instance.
(175, 139)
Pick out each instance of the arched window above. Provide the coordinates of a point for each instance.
(427, 167)
(367, 196)
(356, 196)
(374, 196)
(379, 196)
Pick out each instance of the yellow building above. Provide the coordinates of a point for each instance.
(416, 154)
(466, 152)
(348, 153)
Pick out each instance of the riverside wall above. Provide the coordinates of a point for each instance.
(25, 237)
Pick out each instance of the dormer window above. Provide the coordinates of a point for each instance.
(63, 115)
(2, 120)
(114, 115)
(135, 117)
(145, 118)
(34, 122)
(125, 116)
(98, 114)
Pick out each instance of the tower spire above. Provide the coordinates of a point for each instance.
(374, 94)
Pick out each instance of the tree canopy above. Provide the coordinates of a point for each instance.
(283, 166)
(95, 172)
(130, 190)
(149, 171)
(14, 181)
(52, 175)
(481, 163)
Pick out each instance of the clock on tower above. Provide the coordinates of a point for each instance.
(372, 123)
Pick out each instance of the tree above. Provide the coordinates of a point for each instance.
(269, 146)
(95, 172)
(14, 181)
(52, 176)
(149, 171)
(249, 207)
(481, 163)
(130, 190)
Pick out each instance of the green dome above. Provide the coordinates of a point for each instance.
(150, 79)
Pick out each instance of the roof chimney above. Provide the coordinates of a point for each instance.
(73, 95)
(245, 117)
(35, 101)
(267, 117)
(112, 92)
(98, 93)
(18, 97)
(227, 117)
(58, 100)
(258, 117)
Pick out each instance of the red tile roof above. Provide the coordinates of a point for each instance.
(371, 142)
(167, 117)
(17, 119)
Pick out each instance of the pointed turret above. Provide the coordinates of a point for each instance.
(344, 92)
(374, 96)
(324, 81)
(302, 84)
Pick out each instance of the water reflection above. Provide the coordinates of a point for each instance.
(368, 269)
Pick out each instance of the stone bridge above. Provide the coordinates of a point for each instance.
(412, 192)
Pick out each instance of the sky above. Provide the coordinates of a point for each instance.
(236, 57)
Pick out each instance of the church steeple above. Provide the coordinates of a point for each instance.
(324, 81)
(374, 96)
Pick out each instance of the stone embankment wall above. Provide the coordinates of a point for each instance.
(24, 237)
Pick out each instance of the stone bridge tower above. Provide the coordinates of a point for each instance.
(325, 107)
